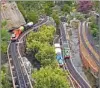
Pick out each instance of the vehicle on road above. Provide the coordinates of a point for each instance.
(16, 32)
(59, 54)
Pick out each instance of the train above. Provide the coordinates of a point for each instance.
(59, 54)
(16, 32)
(66, 49)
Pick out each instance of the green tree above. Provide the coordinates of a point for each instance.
(45, 34)
(66, 8)
(5, 78)
(94, 32)
(96, 5)
(46, 55)
(21, 8)
(47, 10)
(4, 39)
(40, 43)
(3, 23)
(50, 3)
(56, 18)
(32, 16)
(50, 78)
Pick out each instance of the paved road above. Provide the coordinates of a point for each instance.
(70, 67)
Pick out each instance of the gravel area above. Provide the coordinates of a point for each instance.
(75, 54)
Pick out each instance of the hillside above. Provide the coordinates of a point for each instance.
(11, 13)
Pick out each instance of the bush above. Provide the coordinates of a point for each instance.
(3, 23)
(32, 16)
(50, 78)
(80, 17)
(94, 32)
(41, 43)
(4, 39)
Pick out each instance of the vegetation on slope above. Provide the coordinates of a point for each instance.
(5, 78)
(50, 78)
(4, 37)
(41, 43)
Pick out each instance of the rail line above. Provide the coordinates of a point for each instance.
(86, 52)
(20, 77)
(70, 66)
(88, 45)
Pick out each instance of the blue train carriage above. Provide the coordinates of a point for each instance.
(66, 50)
(59, 55)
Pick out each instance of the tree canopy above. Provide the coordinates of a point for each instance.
(32, 16)
(5, 36)
(5, 78)
(46, 55)
(56, 18)
(41, 43)
(50, 78)
(85, 6)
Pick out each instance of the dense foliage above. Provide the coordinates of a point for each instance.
(85, 6)
(32, 16)
(32, 10)
(55, 16)
(96, 6)
(41, 43)
(66, 8)
(4, 37)
(94, 29)
(28, 10)
(5, 78)
(50, 78)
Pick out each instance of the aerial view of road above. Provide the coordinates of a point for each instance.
(48, 44)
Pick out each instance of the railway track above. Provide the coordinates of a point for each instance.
(92, 57)
(77, 77)
(20, 77)
(88, 45)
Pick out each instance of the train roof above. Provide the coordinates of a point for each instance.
(57, 45)
(57, 50)
(61, 61)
